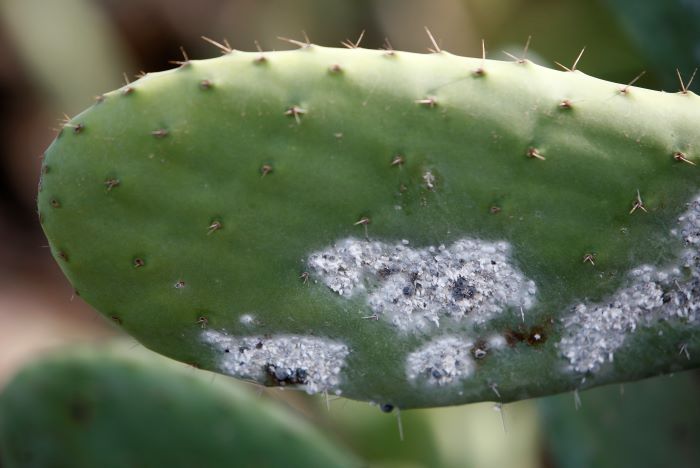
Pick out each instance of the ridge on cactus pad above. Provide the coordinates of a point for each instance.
(409, 229)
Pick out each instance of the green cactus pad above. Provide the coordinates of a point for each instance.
(412, 230)
(113, 407)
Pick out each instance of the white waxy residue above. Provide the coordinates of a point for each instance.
(423, 288)
(311, 362)
(441, 361)
(246, 319)
(593, 332)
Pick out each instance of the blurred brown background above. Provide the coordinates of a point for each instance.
(56, 55)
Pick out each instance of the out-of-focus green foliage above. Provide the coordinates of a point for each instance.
(652, 423)
(114, 407)
(666, 32)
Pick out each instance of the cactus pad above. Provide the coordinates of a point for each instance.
(413, 230)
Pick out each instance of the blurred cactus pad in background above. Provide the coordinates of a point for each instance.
(137, 407)
(504, 219)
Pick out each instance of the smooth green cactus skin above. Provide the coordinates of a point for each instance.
(199, 209)
(113, 407)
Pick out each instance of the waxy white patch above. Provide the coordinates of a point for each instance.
(424, 288)
(593, 332)
(310, 362)
(246, 319)
(441, 361)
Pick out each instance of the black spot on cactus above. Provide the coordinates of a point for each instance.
(387, 407)
(462, 290)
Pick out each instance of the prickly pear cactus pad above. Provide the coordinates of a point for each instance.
(413, 230)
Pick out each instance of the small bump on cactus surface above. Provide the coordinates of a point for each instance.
(549, 221)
